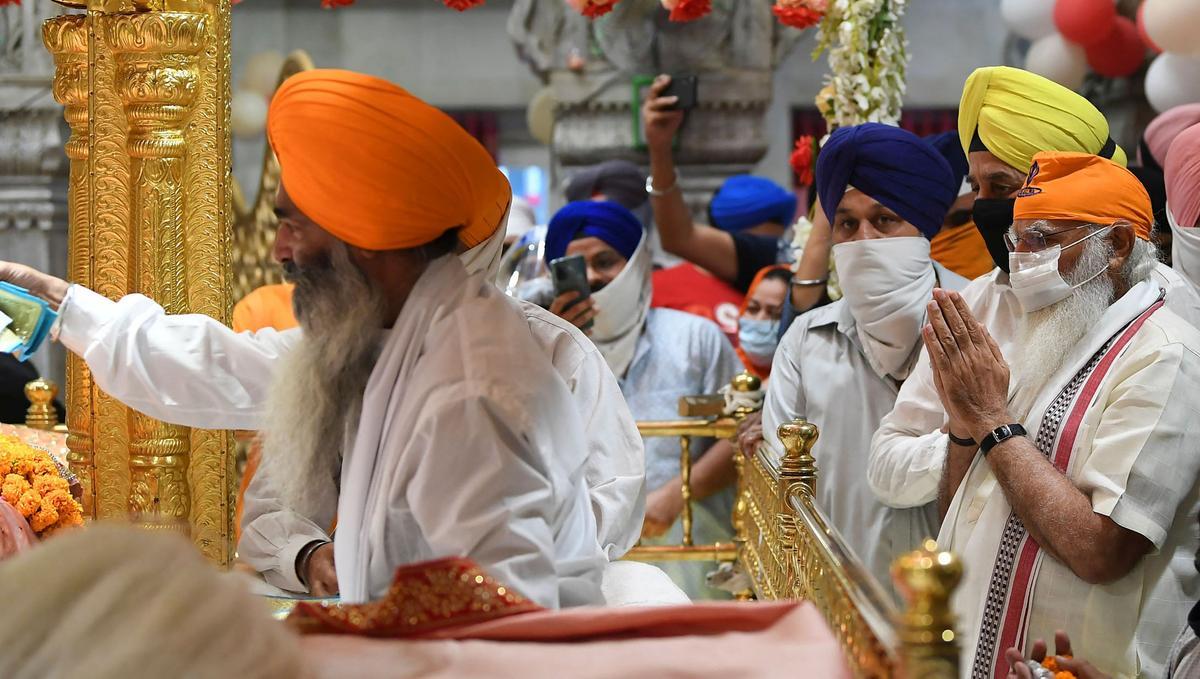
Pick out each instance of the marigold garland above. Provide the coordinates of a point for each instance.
(802, 159)
(688, 10)
(1051, 663)
(33, 485)
(799, 13)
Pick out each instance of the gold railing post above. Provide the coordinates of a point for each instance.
(41, 413)
(926, 578)
(66, 38)
(797, 473)
(685, 487)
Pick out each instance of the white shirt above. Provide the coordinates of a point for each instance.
(1135, 458)
(821, 374)
(908, 450)
(193, 371)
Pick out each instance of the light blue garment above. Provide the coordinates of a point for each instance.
(681, 354)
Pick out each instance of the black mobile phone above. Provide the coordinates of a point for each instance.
(570, 275)
(684, 87)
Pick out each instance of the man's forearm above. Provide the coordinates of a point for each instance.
(1060, 517)
(709, 248)
(714, 471)
(813, 265)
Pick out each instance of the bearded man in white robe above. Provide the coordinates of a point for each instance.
(417, 405)
(1073, 503)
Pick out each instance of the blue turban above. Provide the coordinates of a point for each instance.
(601, 219)
(745, 201)
(950, 147)
(891, 165)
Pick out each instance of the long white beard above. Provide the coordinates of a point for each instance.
(1048, 335)
(317, 394)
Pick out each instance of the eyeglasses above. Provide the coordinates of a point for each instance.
(1035, 241)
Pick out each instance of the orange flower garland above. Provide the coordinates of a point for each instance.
(32, 484)
(803, 159)
(687, 10)
(799, 13)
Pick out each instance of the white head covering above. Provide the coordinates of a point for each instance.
(623, 305)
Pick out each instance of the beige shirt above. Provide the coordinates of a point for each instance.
(1135, 458)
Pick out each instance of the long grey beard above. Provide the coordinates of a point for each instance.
(1048, 335)
(317, 394)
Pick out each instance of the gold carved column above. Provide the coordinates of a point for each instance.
(150, 213)
(67, 39)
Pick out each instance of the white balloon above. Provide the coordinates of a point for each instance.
(539, 115)
(1173, 25)
(247, 114)
(1171, 80)
(1031, 19)
(1058, 59)
(262, 73)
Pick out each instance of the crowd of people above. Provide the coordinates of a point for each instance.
(1007, 361)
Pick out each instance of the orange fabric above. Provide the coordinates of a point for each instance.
(377, 167)
(962, 250)
(1083, 187)
(760, 373)
(267, 307)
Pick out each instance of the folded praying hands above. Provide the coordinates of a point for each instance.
(970, 374)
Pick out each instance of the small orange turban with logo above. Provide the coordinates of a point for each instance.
(379, 168)
(1086, 188)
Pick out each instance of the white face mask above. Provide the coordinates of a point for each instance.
(887, 282)
(623, 304)
(1035, 279)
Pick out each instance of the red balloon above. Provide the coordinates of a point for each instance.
(1120, 53)
(1141, 28)
(1084, 22)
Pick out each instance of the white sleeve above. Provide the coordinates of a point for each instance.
(272, 535)
(785, 399)
(189, 370)
(616, 463)
(500, 513)
(908, 451)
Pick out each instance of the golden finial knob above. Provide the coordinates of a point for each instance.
(926, 579)
(41, 413)
(798, 465)
(745, 382)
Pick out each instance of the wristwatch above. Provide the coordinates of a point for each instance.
(999, 435)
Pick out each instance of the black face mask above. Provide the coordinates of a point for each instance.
(993, 217)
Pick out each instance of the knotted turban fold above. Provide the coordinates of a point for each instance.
(605, 220)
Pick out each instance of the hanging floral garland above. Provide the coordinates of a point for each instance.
(868, 55)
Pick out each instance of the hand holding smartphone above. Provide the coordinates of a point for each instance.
(569, 274)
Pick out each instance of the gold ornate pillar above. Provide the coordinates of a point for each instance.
(66, 37)
(152, 213)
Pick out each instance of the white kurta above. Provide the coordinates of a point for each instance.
(908, 450)
(821, 374)
(1135, 458)
(193, 371)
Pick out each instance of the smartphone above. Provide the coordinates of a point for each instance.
(570, 275)
(684, 87)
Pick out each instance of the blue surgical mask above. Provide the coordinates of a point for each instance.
(758, 339)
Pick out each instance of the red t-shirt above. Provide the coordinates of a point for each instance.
(691, 289)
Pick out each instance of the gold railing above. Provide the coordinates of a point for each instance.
(790, 551)
(709, 420)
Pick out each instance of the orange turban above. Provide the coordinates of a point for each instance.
(377, 167)
(1086, 188)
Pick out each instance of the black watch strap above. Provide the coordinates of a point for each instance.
(960, 441)
(999, 435)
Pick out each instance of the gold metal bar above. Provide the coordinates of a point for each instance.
(722, 429)
(685, 488)
(721, 551)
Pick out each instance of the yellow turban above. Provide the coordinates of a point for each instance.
(1086, 188)
(1017, 114)
(379, 168)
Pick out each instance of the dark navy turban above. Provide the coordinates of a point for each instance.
(950, 147)
(605, 220)
(893, 166)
